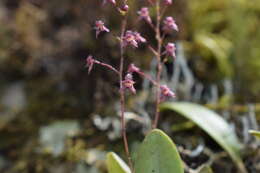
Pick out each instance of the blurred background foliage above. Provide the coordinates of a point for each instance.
(56, 118)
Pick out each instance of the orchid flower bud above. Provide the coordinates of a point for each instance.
(139, 38)
(167, 2)
(89, 63)
(144, 14)
(132, 68)
(109, 1)
(124, 8)
(170, 50)
(169, 25)
(166, 92)
(100, 27)
(132, 38)
(128, 83)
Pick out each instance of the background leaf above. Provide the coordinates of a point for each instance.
(211, 123)
(158, 154)
(115, 164)
(255, 133)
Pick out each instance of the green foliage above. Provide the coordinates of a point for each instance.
(211, 123)
(115, 164)
(255, 133)
(158, 154)
(218, 47)
(209, 41)
(226, 33)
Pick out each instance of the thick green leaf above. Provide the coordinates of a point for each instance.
(115, 164)
(255, 133)
(211, 123)
(158, 154)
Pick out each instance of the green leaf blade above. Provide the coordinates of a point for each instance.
(211, 123)
(255, 133)
(115, 164)
(158, 154)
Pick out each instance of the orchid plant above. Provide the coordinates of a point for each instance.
(162, 27)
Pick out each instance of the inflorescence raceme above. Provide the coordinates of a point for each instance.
(129, 38)
(133, 39)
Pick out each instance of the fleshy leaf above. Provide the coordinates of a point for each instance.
(158, 154)
(115, 164)
(211, 123)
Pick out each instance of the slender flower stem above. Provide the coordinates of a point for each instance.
(163, 10)
(159, 64)
(146, 76)
(153, 50)
(107, 66)
(122, 94)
